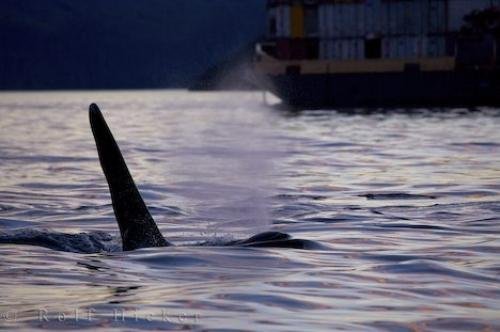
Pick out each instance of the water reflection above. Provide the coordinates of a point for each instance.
(406, 201)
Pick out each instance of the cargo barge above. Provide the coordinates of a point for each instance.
(382, 53)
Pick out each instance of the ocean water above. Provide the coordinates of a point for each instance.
(403, 204)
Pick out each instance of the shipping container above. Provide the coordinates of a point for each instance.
(329, 21)
(297, 20)
(337, 49)
(272, 27)
(372, 18)
(297, 48)
(438, 16)
(336, 17)
(384, 21)
(436, 46)
(322, 21)
(412, 47)
(360, 48)
(322, 49)
(283, 21)
(283, 49)
(414, 15)
(311, 20)
(330, 49)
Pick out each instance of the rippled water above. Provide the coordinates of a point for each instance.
(405, 203)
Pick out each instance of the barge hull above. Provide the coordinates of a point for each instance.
(465, 88)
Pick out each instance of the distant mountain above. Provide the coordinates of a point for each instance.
(110, 44)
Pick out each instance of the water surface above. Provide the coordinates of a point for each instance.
(406, 204)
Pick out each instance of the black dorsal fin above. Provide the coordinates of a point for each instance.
(137, 227)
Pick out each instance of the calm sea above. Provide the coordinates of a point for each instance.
(404, 203)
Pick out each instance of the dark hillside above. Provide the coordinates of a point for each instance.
(109, 44)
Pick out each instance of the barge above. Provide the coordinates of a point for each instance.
(381, 53)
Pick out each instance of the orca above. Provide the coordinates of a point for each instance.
(137, 227)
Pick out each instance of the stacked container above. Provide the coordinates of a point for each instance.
(357, 29)
(294, 27)
(279, 19)
(341, 29)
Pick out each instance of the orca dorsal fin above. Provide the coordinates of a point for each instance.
(137, 227)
